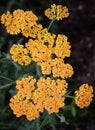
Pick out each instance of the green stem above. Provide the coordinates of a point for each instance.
(7, 57)
(3, 59)
(51, 122)
(6, 85)
(10, 5)
(62, 118)
(57, 115)
(39, 74)
(50, 24)
(68, 96)
(3, 77)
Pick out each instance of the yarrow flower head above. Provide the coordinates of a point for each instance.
(51, 93)
(30, 100)
(57, 12)
(21, 103)
(20, 54)
(60, 69)
(49, 51)
(18, 21)
(84, 95)
(32, 31)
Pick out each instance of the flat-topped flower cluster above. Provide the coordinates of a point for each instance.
(35, 96)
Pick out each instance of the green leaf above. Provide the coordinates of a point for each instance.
(52, 121)
(45, 121)
(39, 74)
(20, 40)
(12, 92)
(73, 111)
(18, 67)
(62, 119)
(38, 127)
(32, 125)
(5, 86)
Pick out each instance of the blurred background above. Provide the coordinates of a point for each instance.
(79, 27)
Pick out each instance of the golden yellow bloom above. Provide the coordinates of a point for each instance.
(49, 45)
(57, 67)
(46, 38)
(26, 86)
(57, 12)
(62, 47)
(45, 67)
(49, 51)
(32, 99)
(32, 31)
(30, 18)
(6, 19)
(39, 52)
(17, 21)
(50, 94)
(60, 69)
(22, 103)
(84, 96)
(20, 54)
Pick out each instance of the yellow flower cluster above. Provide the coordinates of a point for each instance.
(62, 48)
(21, 103)
(84, 95)
(18, 21)
(49, 51)
(20, 54)
(32, 31)
(57, 12)
(60, 69)
(30, 100)
(41, 48)
(51, 93)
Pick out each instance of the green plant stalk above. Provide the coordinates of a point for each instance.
(51, 122)
(39, 74)
(68, 96)
(3, 77)
(50, 24)
(6, 85)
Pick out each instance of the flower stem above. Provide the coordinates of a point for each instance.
(68, 96)
(39, 74)
(50, 24)
(3, 77)
(57, 115)
(6, 85)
